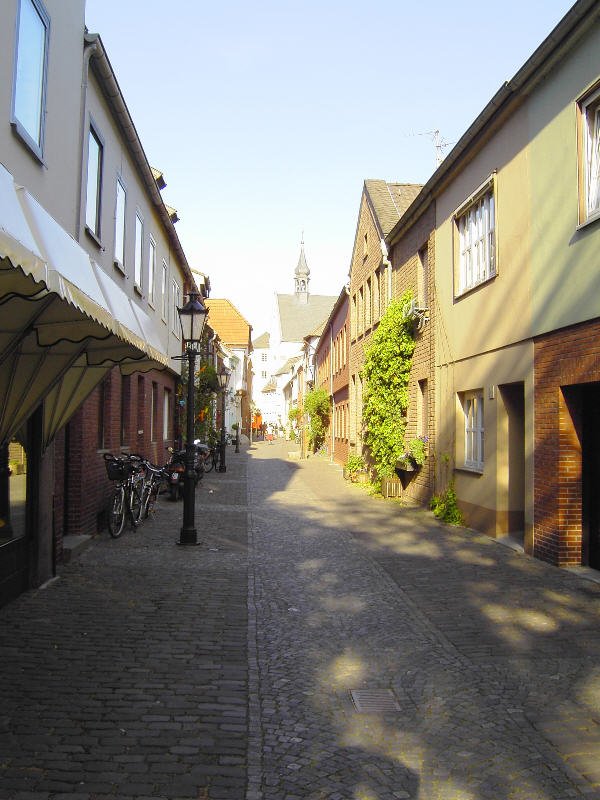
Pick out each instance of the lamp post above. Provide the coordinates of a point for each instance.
(192, 318)
(223, 376)
(239, 395)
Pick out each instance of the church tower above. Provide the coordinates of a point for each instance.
(301, 277)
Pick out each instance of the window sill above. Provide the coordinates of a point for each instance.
(89, 232)
(469, 470)
(25, 138)
(471, 289)
(589, 221)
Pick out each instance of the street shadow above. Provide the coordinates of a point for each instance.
(489, 653)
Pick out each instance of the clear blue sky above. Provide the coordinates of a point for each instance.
(267, 115)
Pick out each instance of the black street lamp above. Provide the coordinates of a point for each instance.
(192, 318)
(223, 376)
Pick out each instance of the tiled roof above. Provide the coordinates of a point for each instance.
(228, 322)
(390, 200)
(298, 319)
(262, 343)
(288, 365)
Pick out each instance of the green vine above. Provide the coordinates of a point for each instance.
(316, 405)
(386, 371)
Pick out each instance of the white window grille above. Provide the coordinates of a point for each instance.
(474, 431)
(477, 242)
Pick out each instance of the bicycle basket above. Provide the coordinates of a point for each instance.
(116, 469)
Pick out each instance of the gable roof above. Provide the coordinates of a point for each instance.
(552, 51)
(298, 318)
(225, 320)
(288, 365)
(389, 201)
(262, 343)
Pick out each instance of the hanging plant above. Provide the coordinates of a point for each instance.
(386, 371)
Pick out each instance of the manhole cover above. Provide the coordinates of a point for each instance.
(369, 701)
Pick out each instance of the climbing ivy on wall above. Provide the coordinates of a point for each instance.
(388, 360)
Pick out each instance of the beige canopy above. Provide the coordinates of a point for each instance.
(63, 321)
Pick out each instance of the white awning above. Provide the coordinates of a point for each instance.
(63, 322)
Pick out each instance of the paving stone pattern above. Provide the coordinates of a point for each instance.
(492, 657)
(320, 644)
(127, 676)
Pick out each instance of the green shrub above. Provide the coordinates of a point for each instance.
(386, 371)
(445, 507)
(354, 464)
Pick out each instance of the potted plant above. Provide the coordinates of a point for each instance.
(414, 455)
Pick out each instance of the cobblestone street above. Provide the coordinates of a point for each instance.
(319, 644)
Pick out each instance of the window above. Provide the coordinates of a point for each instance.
(422, 409)
(368, 304)
(125, 408)
(423, 277)
(102, 416)
(473, 411)
(29, 88)
(151, 270)
(263, 356)
(590, 157)
(139, 241)
(263, 374)
(366, 245)
(166, 414)
(94, 182)
(476, 242)
(176, 296)
(154, 412)
(120, 225)
(164, 285)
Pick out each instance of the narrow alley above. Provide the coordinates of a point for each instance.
(318, 644)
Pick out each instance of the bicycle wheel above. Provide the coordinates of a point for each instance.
(209, 464)
(147, 489)
(135, 505)
(216, 458)
(116, 513)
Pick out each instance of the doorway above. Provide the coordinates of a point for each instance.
(513, 402)
(590, 475)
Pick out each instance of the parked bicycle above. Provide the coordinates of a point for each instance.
(153, 479)
(126, 502)
(209, 455)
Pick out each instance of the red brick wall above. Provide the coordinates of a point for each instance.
(332, 374)
(564, 361)
(404, 255)
(82, 489)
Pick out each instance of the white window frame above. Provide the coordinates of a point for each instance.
(475, 224)
(139, 248)
(472, 403)
(30, 75)
(93, 205)
(164, 288)
(176, 300)
(120, 215)
(151, 271)
(590, 157)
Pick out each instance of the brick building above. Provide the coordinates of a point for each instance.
(382, 204)
(332, 374)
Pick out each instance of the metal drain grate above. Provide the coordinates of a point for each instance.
(370, 701)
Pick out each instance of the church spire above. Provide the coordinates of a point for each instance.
(301, 276)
